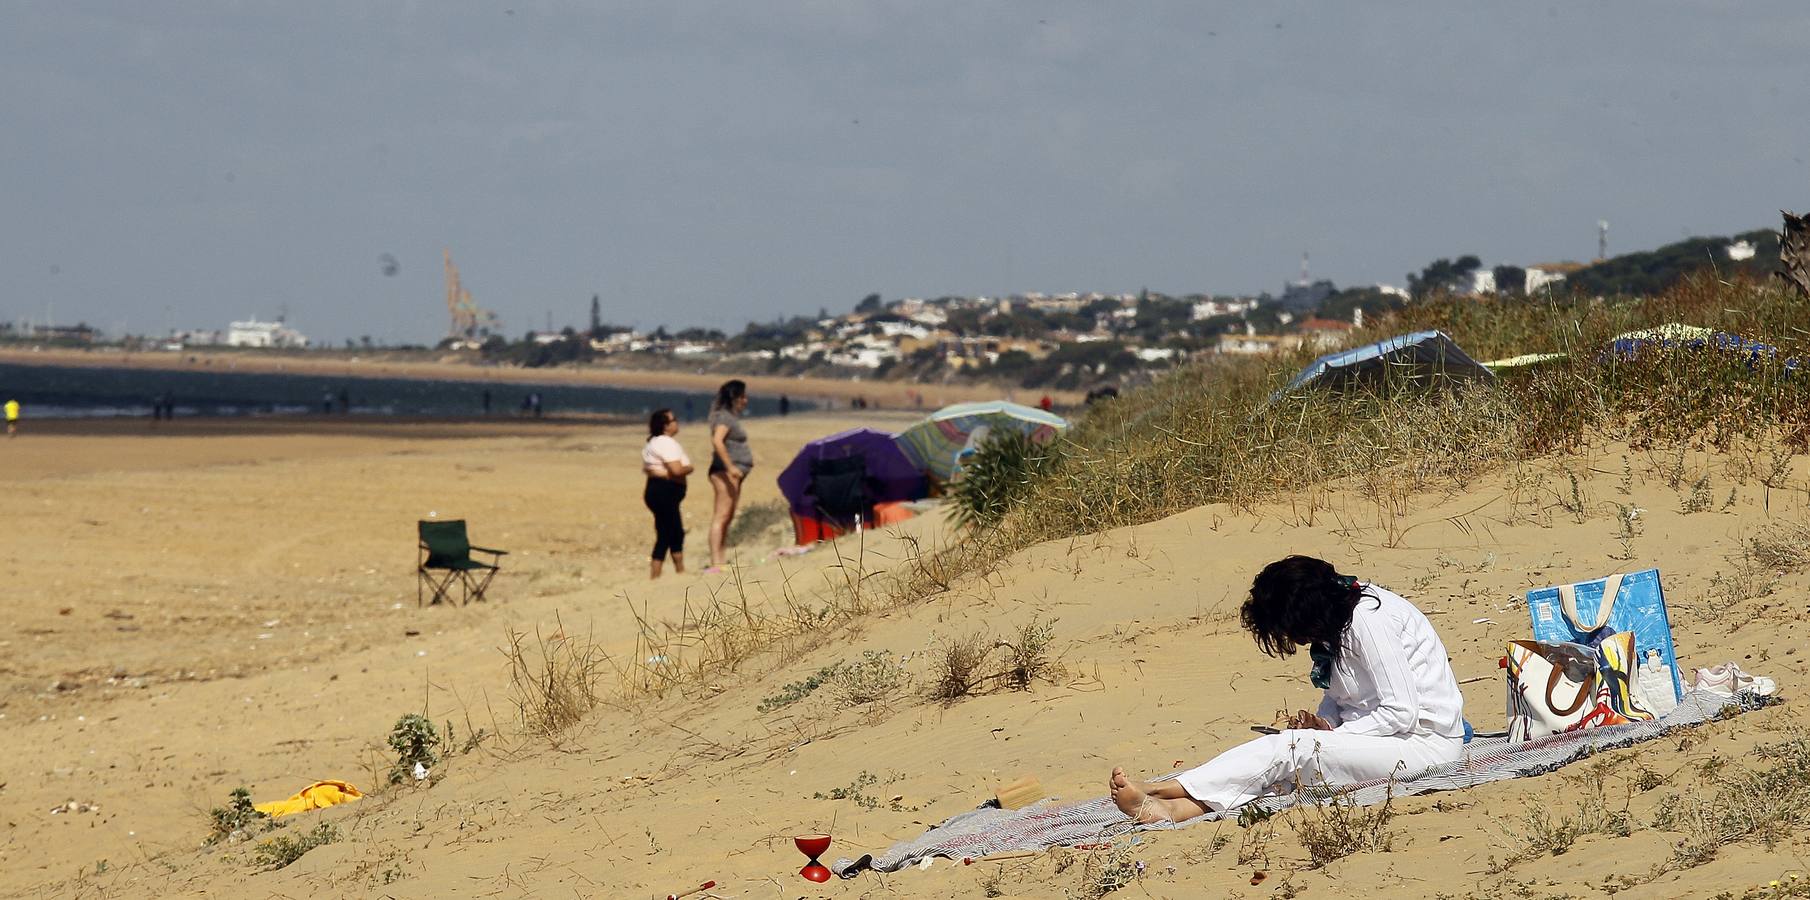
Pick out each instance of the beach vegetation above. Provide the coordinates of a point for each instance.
(283, 850)
(417, 746)
(1766, 802)
(877, 677)
(554, 681)
(958, 666)
(1339, 827)
(1003, 470)
(237, 820)
(798, 690)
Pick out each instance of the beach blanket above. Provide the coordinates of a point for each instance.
(990, 830)
(318, 795)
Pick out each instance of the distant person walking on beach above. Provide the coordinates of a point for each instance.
(666, 465)
(1046, 404)
(345, 401)
(730, 460)
(12, 418)
(785, 405)
(326, 402)
(487, 401)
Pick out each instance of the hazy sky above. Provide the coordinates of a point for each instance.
(708, 163)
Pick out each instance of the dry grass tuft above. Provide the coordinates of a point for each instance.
(1339, 827)
(1783, 547)
(1028, 654)
(956, 667)
(553, 681)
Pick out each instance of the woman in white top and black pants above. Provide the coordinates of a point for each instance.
(666, 465)
(1391, 707)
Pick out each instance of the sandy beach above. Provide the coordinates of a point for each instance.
(193, 612)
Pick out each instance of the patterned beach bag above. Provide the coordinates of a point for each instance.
(1558, 687)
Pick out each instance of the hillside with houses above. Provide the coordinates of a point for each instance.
(1085, 340)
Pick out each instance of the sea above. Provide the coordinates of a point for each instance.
(64, 392)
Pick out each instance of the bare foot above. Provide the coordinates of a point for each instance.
(1133, 801)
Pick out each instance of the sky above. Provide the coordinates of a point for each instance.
(705, 163)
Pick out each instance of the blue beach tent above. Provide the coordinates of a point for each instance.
(1424, 356)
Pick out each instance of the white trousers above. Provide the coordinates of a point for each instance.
(1278, 762)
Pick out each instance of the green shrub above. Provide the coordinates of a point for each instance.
(236, 820)
(1004, 469)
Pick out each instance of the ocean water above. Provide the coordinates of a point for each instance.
(79, 391)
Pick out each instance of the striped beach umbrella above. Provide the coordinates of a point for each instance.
(933, 443)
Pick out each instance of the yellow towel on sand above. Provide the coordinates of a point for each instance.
(318, 795)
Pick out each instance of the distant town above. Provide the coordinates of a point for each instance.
(1070, 340)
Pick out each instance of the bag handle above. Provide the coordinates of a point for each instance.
(1568, 603)
(1584, 692)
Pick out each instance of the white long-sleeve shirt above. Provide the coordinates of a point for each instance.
(1392, 676)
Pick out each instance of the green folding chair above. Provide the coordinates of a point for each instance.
(445, 549)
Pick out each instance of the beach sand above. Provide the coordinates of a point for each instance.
(186, 620)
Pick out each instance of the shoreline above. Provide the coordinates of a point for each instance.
(831, 392)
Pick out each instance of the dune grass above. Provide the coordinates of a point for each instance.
(1208, 432)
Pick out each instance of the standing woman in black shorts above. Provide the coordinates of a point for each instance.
(666, 465)
(730, 460)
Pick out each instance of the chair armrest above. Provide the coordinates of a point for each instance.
(490, 551)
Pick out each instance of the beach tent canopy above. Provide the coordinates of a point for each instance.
(1674, 335)
(1425, 356)
(889, 474)
(932, 445)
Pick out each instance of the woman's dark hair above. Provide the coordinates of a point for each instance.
(656, 423)
(1297, 602)
(732, 390)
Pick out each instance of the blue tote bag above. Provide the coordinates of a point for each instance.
(1580, 614)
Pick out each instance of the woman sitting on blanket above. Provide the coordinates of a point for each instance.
(1391, 707)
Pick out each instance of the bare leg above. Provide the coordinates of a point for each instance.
(1147, 803)
(654, 569)
(727, 493)
(678, 563)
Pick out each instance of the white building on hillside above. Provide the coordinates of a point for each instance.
(264, 334)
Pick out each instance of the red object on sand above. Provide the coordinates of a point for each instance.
(699, 889)
(813, 845)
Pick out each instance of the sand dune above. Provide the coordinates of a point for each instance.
(188, 627)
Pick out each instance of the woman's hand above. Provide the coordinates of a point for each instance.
(1306, 720)
(736, 474)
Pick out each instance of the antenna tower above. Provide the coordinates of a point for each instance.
(1304, 267)
(1602, 238)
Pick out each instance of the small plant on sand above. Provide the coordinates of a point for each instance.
(1104, 873)
(874, 678)
(856, 792)
(1028, 655)
(798, 690)
(1339, 827)
(281, 851)
(1699, 499)
(417, 747)
(237, 820)
(956, 667)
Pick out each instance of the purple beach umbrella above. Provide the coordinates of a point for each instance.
(891, 475)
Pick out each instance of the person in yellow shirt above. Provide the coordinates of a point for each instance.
(12, 418)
